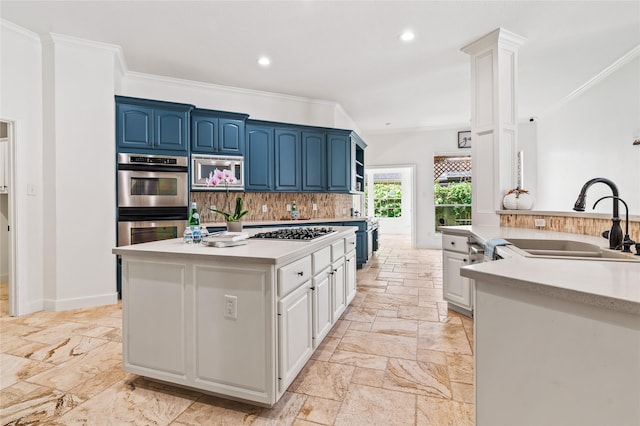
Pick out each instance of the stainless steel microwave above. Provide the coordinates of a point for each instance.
(204, 166)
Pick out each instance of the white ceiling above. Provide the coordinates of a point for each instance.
(349, 51)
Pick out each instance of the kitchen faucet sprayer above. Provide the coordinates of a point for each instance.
(615, 234)
(627, 242)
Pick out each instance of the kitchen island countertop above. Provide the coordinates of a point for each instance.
(268, 251)
(607, 283)
(301, 222)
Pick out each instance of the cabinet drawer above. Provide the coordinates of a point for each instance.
(293, 274)
(350, 243)
(337, 250)
(455, 243)
(321, 259)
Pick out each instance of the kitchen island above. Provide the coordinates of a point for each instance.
(238, 322)
(557, 341)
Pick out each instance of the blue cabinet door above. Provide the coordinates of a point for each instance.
(259, 158)
(171, 130)
(134, 126)
(338, 162)
(361, 248)
(314, 161)
(204, 133)
(288, 160)
(231, 141)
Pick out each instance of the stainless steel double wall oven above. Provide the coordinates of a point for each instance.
(153, 197)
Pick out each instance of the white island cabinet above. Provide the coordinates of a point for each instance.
(239, 322)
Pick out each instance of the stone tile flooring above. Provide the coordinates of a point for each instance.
(396, 357)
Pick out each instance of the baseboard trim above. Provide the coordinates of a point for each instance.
(80, 302)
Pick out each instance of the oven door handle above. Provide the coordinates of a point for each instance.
(143, 218)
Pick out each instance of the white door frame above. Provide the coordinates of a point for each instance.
(11, 263)
(411, 196)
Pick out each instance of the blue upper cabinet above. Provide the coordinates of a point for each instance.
(314, 161)
(288, 156)
(134, 126)
(148, 126)
(217, 132)
(259, 158)
(338, 162)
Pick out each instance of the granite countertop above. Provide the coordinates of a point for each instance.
(256, 250)
(301, 222)
(607, 283)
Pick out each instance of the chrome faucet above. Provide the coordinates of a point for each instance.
(615, 234)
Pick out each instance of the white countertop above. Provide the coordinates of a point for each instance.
(613, 284)
(301, 222)
(256, 250)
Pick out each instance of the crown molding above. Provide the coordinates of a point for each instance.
(89, 44)
(615, 66)
(20, 30)
(229, 89)
(497, 36)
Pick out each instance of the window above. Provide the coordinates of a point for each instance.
(452, 190)
(387, 194)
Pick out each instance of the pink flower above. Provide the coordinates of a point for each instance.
(213, 179)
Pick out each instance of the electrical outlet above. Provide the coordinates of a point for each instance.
(264, 208)
(288, 207)
(541, 223)
(213, 207)
(314, 207)
(344, 210)
(231, 306)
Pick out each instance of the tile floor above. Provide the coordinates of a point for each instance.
(396, 357)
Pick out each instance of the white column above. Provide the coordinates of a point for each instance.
(493, 121)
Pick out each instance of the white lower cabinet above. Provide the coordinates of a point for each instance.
(295, 328)
(350, 275)
(231, 327)
(457, 287)
(321, 306)
(338, 290)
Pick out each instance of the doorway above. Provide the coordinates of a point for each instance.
(389, 197)
(7, 243)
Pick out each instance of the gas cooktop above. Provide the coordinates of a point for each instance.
(302, 233)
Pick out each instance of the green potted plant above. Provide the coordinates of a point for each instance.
(234, 224)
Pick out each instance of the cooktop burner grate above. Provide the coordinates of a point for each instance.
(303, 233)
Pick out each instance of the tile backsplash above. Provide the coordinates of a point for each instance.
(571, 224)
(330, 205)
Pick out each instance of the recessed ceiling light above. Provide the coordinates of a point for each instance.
(264, 61)
(407, 36)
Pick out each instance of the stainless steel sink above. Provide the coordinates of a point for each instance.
(568, 249)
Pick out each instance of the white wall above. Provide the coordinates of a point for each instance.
(80, 127)
(416, 147)
(21, 101)
(591, 136)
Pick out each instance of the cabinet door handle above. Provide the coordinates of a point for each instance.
(352, 243)
(301, 273)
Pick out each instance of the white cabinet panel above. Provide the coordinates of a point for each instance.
(241, 361)
(350, 275)
(456, 288)
(339, 296)
(322, 311)
(295, 325)
(153, 301)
